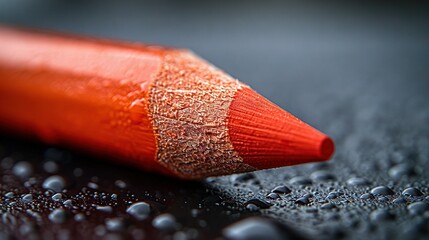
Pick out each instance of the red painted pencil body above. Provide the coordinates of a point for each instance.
(79, 92)
(160, 109)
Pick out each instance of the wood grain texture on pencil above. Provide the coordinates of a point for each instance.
(160, 109)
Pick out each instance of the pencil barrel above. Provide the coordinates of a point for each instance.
(87, 94)
(160, 109)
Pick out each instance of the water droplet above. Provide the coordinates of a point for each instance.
(50, 167)
(26, 229)
(399, 200)
(300, 180)
(120, 184)
(103, 208)
(9, 195)
(356, 181)
(243, 177)
(328, 206)
(366, 196)
(22, 169)
(114, 224)
(259, 202)
(402, 170)
(412, 192)
(55, 183)
(332, 195)
(114, 196)
(195, 212)
(58, 215)
(273, 196)
(30, 182)
(302, 201)
(252, 207)
(322, 175)
(68, 203)
(382, 191)
(308, 195)
(258, 228)
(49, 193)
(381, 215)
(57, 197)
(139, 210)
(93, 185)
(281, 190)
(79, 217)
(418, 208)
(27, 198)
(165, 222)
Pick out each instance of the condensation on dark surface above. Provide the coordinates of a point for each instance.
(96, 198)
(358, 72)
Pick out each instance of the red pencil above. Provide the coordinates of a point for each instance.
(160, 109)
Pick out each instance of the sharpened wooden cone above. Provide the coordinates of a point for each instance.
(266, 136)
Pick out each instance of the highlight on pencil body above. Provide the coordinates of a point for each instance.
(161, 109)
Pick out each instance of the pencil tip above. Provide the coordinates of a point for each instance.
(326, 148)
(266, 136)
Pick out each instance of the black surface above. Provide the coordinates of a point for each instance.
(358, 72)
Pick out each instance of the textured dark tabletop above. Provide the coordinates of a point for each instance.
(358, 72)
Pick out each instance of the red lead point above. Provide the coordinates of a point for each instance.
(266, 136)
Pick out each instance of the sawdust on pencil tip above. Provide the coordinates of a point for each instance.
(189, 105)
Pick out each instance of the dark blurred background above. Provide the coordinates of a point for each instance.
(296, 53)
(358, 71)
